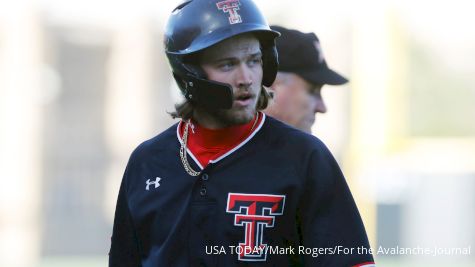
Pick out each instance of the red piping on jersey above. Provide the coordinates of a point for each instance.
(364, 264)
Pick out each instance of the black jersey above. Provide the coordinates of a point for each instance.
(277, 199)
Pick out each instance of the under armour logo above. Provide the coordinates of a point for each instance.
(156, 183)
(231, 7)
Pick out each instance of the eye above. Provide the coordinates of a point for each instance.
(226, 65)
(315, 91)
(255, 61)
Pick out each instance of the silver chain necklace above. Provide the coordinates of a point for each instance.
(183, 158)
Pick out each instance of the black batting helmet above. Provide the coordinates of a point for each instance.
(198, 24)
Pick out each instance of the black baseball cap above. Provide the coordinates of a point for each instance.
(301, 53)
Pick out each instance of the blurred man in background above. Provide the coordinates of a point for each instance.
(302, 73)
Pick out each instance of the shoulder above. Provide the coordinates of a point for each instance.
(166, 140)
(151, 155)
(307, 153)
(281, 134)
(297, 146)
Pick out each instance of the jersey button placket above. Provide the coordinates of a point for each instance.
(203, 191)
(204, 179)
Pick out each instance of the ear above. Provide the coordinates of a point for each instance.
(272, 86)
(278, 82)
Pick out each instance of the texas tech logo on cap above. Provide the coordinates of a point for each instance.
(231, 7)
(255, 212)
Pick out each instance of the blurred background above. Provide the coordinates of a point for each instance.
(82, 83)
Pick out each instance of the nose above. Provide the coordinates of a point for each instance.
(319, 105)
(244, 76)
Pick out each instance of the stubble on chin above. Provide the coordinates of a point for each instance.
(225, 117)
(235, 117)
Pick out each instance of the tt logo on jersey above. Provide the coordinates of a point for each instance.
(156, 183)
(254, 212)
(231, 7)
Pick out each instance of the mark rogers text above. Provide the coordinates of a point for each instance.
(217, 250)
(276, 250)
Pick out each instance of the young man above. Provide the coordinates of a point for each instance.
(302, 73)
(207, 191)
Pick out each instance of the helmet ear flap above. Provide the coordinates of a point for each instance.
(270, 64)
(270, 59)
(193, 83)
(184, 67)
(195, 87)
(213, 95)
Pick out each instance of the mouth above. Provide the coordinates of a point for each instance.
(244, 99)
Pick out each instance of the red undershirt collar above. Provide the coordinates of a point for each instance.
(209, 144)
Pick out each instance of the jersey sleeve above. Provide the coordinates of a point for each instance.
(330, 221)
(125, 249)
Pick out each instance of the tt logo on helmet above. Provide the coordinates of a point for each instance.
(231, 7)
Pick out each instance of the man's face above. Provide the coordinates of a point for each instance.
(296, 101)
(236, 61)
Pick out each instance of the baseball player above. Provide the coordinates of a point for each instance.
(208, 191)
(302, 73)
